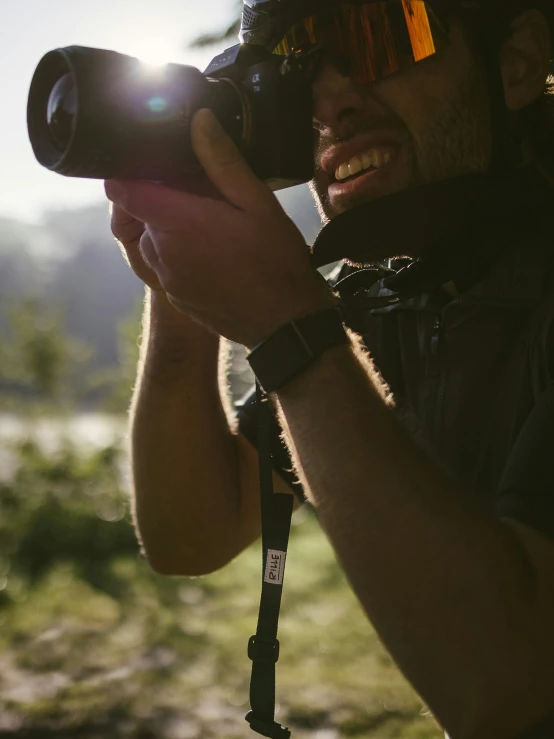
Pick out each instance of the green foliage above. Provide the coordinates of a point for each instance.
(41, 366)
(228, 34)
(115, 384)
(94, 644)
(37, 357)
(63, 508)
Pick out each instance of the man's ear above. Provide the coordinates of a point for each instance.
(524, 59)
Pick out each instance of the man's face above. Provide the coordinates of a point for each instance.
(425, 124)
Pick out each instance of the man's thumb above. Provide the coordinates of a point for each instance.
(223, 162)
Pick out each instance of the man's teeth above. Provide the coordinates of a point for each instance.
(372, 159)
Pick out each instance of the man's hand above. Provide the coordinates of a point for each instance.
(131, 235)
(237, 265)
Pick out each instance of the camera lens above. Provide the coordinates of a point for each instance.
(95, 113)
(62, 111)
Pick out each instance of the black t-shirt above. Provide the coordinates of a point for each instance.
(473, 379)
(474, 376)
(526, 491)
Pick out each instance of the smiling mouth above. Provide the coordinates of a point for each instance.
(370, 161)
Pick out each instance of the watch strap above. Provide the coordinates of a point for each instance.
(295, 346)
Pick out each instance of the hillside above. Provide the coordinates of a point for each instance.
(72, 269)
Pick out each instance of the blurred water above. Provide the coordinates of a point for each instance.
(88, 431)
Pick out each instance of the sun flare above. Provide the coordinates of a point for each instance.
(153, 58)
(153, 52)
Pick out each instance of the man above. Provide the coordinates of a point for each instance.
(446, 536)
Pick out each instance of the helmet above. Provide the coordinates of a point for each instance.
(265, 21)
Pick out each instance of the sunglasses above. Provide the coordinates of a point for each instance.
(369, 41)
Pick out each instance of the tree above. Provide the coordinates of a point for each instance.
(227, 34)
(38, 357)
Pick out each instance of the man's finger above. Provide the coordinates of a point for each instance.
(148, 251)
(125, 227)
(224, 163)
(162, 207)
(130, 235)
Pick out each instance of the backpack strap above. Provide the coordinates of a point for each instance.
(542, 341)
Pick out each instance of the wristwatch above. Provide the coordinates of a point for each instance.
(295, 346)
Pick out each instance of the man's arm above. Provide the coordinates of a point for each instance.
(195, 480)
(463, 601)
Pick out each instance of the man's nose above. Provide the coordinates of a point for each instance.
(336, 98)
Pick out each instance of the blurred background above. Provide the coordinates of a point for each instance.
(92, 642)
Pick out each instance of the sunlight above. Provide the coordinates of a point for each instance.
(153, 59)
(152, 49)
(152, 67)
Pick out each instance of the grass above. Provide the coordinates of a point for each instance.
(94, 644)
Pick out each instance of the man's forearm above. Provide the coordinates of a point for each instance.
(183, 452)
(451, 590)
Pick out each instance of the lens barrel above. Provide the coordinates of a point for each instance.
(61, 113)
(99, 114)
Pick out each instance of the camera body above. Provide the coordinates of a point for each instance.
(99, 114)
(278, 95)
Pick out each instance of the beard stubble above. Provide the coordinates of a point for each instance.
(447, 138)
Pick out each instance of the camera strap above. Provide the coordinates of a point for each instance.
(263, 647)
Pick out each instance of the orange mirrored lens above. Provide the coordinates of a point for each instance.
(374, 40)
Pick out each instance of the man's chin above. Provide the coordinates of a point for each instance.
(328, 209)
(335, 198)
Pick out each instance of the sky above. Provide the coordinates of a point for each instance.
(156, 30)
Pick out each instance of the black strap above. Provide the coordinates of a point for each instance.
(295, 346)
(263, 648)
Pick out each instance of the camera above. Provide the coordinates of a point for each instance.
(99, 114)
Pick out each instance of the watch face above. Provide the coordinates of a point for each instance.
(295, 346)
